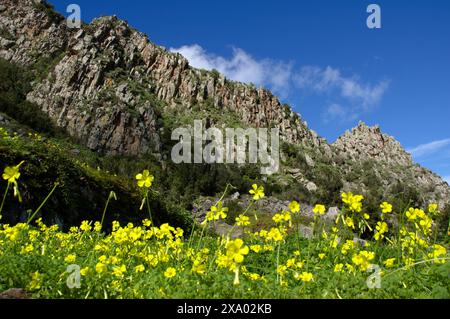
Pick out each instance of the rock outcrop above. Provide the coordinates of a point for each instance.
(98, 69)
(389, 162)
(365, 142)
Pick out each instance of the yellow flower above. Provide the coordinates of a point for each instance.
(209, 217)
(85, 226)
(346, 197)
(363, 259)
(350, 268)
(36, 281)
(217, 212)
(170, 272)
(84, 271)
(304, 276)
(255, 248)
(222, 260)
(100, 268)
(70, 258)
(236, 250)
(354, 202)
(116, 285)
(338, 267)
(145, 179)
(146, 223)
(257, 192)
(119, 271)
(366, 216)
(12, 174)
(287, 216)
(432, 208)
(278, 218)
(294, 207)
(437, 252)
(274, 234)
(386, 208)
(97, 227)
(263, 233)
(242, 220)
(389, 262)
(349, 222)
(381, 229)
(319, 209)
(291, 263)
(253, 276)
(334, 242)
(426, 223)
(321, 256)
(281, 269)
(198, 266)
(179, 232)
(412, 213)
(27, 249)
(139, 268)
(408, 261)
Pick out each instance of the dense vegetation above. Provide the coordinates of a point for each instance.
(59, 182)
(145, 261)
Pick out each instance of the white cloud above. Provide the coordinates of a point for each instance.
(368, 95)
(282, 78)
(429, 148)
(337, 111)
(361, 96)
(241, 67)
(317, 79)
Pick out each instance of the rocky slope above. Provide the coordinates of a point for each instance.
(389, 161)
(109, 86)
(364, 141)
(91, 83)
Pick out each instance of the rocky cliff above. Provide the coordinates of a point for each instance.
(388, 161)
(369, 142)
(109, 86)
(91, 87)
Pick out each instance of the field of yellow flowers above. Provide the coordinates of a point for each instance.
(161, 261)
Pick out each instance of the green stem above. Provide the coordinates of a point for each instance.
(415, 264)
(4, 198)
(224, 193)
(243, 214)
(278, 260)
(43, 203)
(148, 208)
(399, 227)
(201, 236)
(192, 233)
(207, 224)
(106, 207)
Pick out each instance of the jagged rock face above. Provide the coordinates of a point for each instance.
(74, 92)
(92, 105)
(391, 162)
(28, 33)
(365, 142)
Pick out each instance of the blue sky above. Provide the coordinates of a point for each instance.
(320, 57)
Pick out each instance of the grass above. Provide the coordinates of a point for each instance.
(146, 260)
